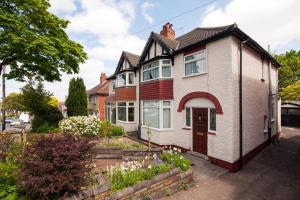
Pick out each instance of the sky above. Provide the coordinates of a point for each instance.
(107, 27)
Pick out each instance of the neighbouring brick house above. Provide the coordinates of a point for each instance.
(211, 91)
(97, 96)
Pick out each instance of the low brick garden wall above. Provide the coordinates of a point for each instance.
(144, 188)
(118, 153)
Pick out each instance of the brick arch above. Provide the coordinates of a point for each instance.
(205, 95)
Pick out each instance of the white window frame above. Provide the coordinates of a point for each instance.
(185, 125)
(161, 107)
(209, 130)
(160, 65)
(126, 111)
(196, 59)
(126, 79)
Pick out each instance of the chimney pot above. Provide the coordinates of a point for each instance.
(168, 31)
(102, 77)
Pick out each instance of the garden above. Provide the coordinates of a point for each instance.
(87, 159)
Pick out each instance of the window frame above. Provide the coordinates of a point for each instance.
(160, 112)
(160, 66)
(126, 79)
(127, 106)
(193, 60)
(209, 129)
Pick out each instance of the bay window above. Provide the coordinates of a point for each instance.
(125, 79)
(125, 111)
(195, 63)
(157, 114)
(157, 69)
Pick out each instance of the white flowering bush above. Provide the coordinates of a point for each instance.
(81, 125)
(173, 156)
(129, 173)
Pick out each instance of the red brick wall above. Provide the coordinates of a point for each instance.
(158, 89)
(101, 107)
(126, 93)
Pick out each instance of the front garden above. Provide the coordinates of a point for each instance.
(87, 159)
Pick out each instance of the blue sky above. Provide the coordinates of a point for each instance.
(106, 27)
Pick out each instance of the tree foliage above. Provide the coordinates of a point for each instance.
(77, 98)
(35, 100)
(33, 42)
(13, 102)
(289, 72)
(291, 92)
(54, 102)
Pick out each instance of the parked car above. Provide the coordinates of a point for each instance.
(9, 120)
(16, 122)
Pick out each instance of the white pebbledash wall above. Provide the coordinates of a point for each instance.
(222, 81)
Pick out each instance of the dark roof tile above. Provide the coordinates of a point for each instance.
(99, 89)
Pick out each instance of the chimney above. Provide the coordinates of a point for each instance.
(102, 77)
(168, 31)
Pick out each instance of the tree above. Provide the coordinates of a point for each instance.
(13, 103)
(77, 98)
(54, 102)
(33, 42)
(289, 72)
(291, 92)
(35, 100)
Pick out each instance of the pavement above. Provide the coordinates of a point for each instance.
(273, 174)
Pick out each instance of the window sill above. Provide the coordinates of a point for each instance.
(158, 129)
(192, 75)
(125, 122)
(186, 128)
(211, 133)
(126, 86)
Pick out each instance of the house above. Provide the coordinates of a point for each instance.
(96, 98)
(212, 91)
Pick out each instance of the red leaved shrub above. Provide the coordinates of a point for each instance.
(55, 166)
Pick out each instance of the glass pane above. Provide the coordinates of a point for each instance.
(131, 114)
(212, 116)
(151, 117)
(189, 58)
(121, 80)
(195, 66)
(188, 69)
(166, 118)
(166, 71)
(122, 104)
(131, 104)
(154, 64)
(166, 61)
(130, 78)
(122, 113)
(151, 103)
(188, 117)
(166, 103)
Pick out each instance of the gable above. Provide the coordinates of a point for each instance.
(154, 48)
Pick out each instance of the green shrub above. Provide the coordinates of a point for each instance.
(46, 128)
(106, 128)
(118, 131)
(47, 119)
(155, 170)
(176, 159)
(8, 178)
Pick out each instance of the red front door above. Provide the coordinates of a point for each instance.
(200, 128)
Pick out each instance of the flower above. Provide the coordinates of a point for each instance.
(149, 167)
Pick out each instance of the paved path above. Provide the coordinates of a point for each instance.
(274, 174)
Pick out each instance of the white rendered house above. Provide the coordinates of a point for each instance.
(211, 90)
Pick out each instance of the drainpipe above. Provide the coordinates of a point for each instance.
(269, 102)
(241, 104)
(139, 132)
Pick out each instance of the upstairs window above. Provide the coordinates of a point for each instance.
(157, 69)
(125, 79)
(151, 71)
(195, 63)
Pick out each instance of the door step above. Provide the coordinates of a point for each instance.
(198, 155)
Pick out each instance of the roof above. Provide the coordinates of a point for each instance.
(205, 35)
(133, 59)
(100, 89)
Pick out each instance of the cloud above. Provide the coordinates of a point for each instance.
(268, 22)
(62, 6)
(145, 6)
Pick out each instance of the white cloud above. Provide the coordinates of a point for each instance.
(268, 22)
(62, 6)
(145, 6)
